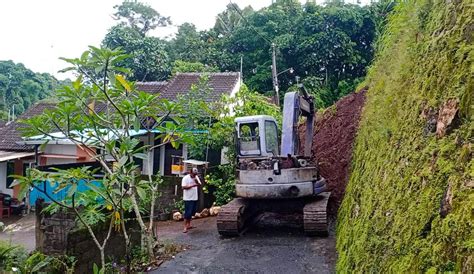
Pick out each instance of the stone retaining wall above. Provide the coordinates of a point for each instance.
(59, 234)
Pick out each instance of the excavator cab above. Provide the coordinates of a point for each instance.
(257, 136)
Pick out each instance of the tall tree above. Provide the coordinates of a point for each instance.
(102, 81)
(148, 59)
(147, 56)
(140, 17)
(231, 18)
(330, 45)
(188, 44)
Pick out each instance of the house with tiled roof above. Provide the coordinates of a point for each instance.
(16, 153)
(219, 83)
(152, 87)
(14, 158)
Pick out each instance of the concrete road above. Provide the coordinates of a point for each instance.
(20, 231)
(262, 250)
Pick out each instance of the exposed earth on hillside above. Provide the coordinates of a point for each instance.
(335, 131)
(266, 249)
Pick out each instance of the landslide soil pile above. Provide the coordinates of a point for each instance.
(335, 131)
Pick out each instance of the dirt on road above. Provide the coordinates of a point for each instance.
(259, 250)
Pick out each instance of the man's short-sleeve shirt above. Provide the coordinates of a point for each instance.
(192, 193)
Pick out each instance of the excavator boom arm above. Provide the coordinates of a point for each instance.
(294, 105)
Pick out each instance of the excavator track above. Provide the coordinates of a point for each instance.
(231, 218)
(315, 216)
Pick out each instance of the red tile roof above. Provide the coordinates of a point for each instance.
(151, 87)
(219, 83)
(10, 133)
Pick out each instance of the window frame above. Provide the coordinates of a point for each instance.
(276, 136)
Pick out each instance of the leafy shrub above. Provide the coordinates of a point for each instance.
(11, 256)
(15, 258)
(223, 183)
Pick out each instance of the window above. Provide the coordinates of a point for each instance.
(249, 139)
(271, 137)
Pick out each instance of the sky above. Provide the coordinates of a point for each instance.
(38, 32)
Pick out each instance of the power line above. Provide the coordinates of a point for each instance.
(248, 23)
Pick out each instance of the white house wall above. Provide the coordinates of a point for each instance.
(3, 179)
(236, 89)
(61, 150)
(224, 159)
(162, 160)
(149, 162)
(233, 93)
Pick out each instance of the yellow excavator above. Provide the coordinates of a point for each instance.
(273, 180)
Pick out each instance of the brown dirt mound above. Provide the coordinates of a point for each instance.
(335, 131)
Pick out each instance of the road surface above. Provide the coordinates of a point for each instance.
(260, 250)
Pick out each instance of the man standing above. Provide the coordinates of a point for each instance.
(190, 185)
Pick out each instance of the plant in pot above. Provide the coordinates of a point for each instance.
(162, 214)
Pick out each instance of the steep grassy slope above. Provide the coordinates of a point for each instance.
(409, 205)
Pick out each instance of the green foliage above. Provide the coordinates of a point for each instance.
(148, 59)
(96, 270)
(140, 17)
(402, 174)
(16, 259)
(11, 256)
(101, 111)
(179, 205)
(90, 201)
(334, 43)
(245, 103)
(222, 181)
(231, 18)
(183, 66)
(21, 88)
(188, 44)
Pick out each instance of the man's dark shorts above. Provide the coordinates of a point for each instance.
(190, 208)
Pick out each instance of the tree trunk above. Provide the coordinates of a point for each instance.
(102, 259)
(128, 255)
(145, 231)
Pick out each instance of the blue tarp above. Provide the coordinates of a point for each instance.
(61, 195)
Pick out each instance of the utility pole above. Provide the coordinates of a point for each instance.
(241, 64)
(275, 76)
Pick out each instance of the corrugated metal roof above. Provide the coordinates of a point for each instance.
(12, 155)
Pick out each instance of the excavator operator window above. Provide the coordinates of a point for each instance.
(271, 137)
(249, 142)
